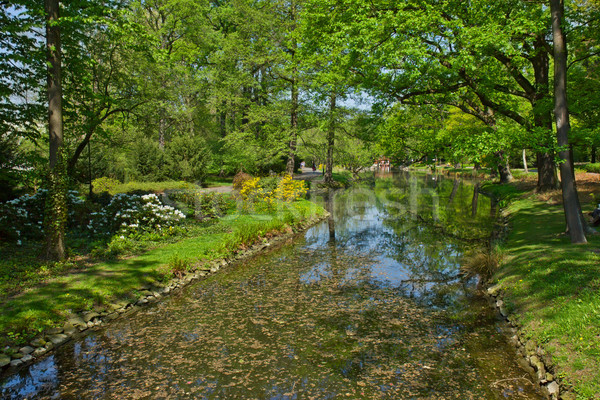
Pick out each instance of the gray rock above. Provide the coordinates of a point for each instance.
(26, 350)
(112, 316)
(58, 339)
(54, 331)
(17, 355)
(77, 321)
(40, 351)
(553, 388)
(49, 346)
(69, 329)
(27, 358)
(15, 363)
(503, 311)
(90, 316)
(38, 342)
(494, 290)
(530, 347)
(90, 324)
(4, 360)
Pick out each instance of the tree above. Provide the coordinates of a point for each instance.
(488, 64)
(561, 113)
(56, 205)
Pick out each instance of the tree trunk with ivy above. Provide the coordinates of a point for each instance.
(56, 203)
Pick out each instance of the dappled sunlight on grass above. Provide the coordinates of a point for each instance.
(552, 288)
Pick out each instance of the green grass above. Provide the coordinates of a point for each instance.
(503, 193)
(45, 300)
(214, 181)
(151, 187)
(553, 290)
(342, 177)
(595, 167)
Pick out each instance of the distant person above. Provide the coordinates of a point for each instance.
(314, 167)
(302, 164)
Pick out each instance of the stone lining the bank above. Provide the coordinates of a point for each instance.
(76, 326)
(534, 358)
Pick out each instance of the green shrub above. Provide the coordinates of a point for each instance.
(105, 184)
(187, 158)
(203, 205)
(147, 161)
(592, 167)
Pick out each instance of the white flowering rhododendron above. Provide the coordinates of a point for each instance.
(127, 214)
(22, 218)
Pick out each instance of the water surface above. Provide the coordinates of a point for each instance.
(368, 304)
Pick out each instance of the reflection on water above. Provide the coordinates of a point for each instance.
(367, 304)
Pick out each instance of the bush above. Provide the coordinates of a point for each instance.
(253, 193)
(147, 161)
(240, 179)
(204, 205)
(23, 217)
(129, 214)
(187, 158)
(105, 184)
(592, 167)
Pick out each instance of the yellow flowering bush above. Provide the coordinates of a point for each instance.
(261, 194)
(289, 189)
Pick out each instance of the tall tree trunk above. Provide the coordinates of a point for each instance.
(223, 119)
(561, 113)
(294, 128)
(162, 129)
(525, 161)
(330, 221)
(593, 155)
(330, 140)
(542, 115)
(56, 203)
(291, 162)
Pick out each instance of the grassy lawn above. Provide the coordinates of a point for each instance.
(552, 288)
(53, 292)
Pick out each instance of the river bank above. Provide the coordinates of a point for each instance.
(90, 295)
(548, 288)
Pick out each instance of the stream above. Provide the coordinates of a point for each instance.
(368, 304)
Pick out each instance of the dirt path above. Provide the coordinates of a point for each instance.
(308, 174)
